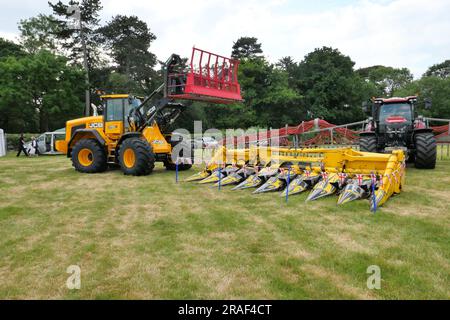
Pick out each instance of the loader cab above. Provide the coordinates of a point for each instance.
(116, 109)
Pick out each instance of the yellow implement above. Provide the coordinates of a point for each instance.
(351, 174)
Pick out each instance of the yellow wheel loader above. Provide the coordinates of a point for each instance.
(132, 133)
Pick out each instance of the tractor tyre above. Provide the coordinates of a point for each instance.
(368, 144)
(88, 156)
(136, 157)
(181, 166)
(425, 151)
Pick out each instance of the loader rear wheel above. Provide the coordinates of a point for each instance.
(181, 166)
(88, 156)
(136, 157)
(425, 151)
(368, 144)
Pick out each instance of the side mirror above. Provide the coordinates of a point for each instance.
(428, 103)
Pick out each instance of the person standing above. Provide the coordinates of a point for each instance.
(22, 146)
(34, 145)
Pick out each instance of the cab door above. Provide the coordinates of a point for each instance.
(114, 117)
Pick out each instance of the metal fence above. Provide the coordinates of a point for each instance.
(443, 151)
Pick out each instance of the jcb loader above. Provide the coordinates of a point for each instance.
(133, 133)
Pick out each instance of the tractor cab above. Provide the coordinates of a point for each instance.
(395, 114)
(395, 117)
(116, 113)
(395, 120)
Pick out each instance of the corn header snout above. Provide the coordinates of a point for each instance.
(350, 174)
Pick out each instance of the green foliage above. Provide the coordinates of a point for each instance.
(38, 33)
(9, 48)
(38, 92)
(441, 70)
(128, 40)
(246, 48)
(268, 101)
(436, 88)
(71, 38)
(386, 79)
(331, 89)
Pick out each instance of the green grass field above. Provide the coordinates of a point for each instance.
(149, 238)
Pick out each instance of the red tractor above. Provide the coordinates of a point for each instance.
(394, 125)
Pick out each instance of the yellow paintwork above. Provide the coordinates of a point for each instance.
(156, 139)
(390, 167)
(111, 132)
(198, 176)
(114, 96)
(85, 157)
(114, 129)
(87, 123)
(129, 158)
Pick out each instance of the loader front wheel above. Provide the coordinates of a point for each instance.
(368, 144)
(136, 157)
(425, 156)
(88, 156)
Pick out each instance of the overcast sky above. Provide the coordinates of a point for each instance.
(399, 33)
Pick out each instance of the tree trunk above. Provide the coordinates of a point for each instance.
(43, 121)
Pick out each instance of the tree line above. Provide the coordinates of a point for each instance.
(42, 81)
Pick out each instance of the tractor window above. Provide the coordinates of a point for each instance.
(395, 110)
(114, 110)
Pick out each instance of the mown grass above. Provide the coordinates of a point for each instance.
(149, 238)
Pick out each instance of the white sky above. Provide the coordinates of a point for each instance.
(399, 33)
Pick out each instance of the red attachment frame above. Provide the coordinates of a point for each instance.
(210, 78)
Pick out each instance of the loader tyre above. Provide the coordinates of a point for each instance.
(88, 156)
(425, 151)
(182, 166)
(136, 157)
(368, 144)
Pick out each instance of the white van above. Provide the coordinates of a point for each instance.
(46, 142)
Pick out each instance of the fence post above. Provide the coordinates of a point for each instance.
(220, 177)
(288, 182)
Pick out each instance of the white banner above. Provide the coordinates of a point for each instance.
(2, 143)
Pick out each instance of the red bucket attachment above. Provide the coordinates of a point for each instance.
(210, 78)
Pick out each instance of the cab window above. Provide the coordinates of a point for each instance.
(395, 110)
(114, 110)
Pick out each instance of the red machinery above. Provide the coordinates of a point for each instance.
(209, 78)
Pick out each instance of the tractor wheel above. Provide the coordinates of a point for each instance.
(88, 156)
(136, 157)
(425, 151)
(368, 144)
(182, 166)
